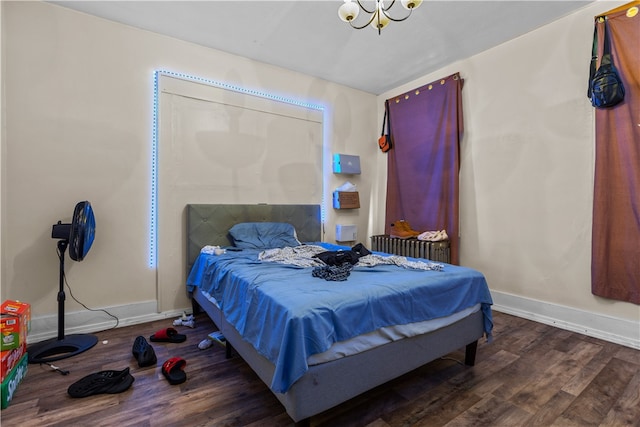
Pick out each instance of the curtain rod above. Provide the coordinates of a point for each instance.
(619, 9)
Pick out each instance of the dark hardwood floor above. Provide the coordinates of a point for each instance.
(530, 375)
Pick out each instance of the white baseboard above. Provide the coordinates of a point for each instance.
(612, 329)
(85, 321)
(619, 331)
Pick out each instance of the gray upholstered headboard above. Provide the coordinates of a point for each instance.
(209, 224)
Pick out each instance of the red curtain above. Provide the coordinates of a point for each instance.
(423, 165)
(615, 261)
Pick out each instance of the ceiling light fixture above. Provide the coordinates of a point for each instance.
(379, 15)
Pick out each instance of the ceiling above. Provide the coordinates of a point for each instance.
(308, 36)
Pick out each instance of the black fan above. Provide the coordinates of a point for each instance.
(78, 237)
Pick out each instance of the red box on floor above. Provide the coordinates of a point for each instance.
(15, 323)
(9, 332)
(10, 384)
(10, 358)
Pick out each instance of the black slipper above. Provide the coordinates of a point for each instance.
(109, 382)
(122, 385)
(143, 352)
(173, 370)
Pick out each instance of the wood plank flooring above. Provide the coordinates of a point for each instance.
(530, 375)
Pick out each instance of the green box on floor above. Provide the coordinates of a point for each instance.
(10, 383)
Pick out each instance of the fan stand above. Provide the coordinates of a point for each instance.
(61, 347)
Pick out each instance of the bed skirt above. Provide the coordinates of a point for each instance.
(329, 384)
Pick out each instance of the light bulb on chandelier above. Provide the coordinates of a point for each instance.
(379, 16)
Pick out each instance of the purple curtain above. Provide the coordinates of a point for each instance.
(615, 259)
(423, 165)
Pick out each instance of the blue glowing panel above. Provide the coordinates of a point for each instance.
(346, 164)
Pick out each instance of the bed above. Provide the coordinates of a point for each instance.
(299, 333)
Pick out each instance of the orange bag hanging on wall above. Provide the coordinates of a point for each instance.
(384, 142)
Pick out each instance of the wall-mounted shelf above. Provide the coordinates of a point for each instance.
(346, 233)
(346, 199)
(346, 164)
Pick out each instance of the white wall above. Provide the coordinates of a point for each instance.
(526, 177)
(78, 93)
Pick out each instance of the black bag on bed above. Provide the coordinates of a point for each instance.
(342, 257)
(338, 257)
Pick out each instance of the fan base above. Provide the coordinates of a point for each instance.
(56, 349)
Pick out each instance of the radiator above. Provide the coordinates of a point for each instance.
(434, 251)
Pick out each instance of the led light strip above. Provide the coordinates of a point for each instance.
(153, 232)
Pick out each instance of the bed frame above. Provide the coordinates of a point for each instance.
(329, 384)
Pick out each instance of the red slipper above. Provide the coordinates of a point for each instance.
(173, 370)
(168, 335)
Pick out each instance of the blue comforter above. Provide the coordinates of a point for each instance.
(288, 315)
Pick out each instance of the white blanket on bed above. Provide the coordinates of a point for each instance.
(303, 256)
